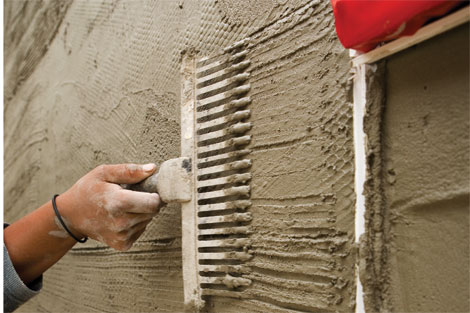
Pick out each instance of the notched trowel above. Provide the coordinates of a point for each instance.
(172, 181)
(212, 178)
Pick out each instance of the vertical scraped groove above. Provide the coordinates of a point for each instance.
(302, 174)
(373, 252)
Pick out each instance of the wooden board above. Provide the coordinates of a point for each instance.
(438, 27)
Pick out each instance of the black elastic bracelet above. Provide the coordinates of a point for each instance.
(63, 223)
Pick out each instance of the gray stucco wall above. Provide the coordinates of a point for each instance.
(417, 243)
(91, 82)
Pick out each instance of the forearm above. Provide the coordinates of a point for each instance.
(96, 207)
(36, 242)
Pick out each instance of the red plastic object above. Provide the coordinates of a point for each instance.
(362, 25)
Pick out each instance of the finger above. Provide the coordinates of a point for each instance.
(127, 173)
(137, 234)
(139, 202)
(128, 234)
(138, 218)
(126, 239)
(124, 246)
(138, 227)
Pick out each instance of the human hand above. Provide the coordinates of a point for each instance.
(99, 208)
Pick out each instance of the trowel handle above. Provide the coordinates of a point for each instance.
(172, 182)
(147, 185)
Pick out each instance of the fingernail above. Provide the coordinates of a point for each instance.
(148, 167)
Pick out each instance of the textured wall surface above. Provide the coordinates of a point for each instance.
(418, 191)
(91, 82)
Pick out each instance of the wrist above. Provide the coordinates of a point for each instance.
(68, 210)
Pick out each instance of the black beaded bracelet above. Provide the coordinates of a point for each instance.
(54, 205)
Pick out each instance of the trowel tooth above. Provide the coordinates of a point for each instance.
(225, 231)
(218, 122)
(220, 157)
(224, 243)
(238, 56)
(241, 89)
(239, 102)
(237, 129)
(213, 135)
(211, 280)
(236, 141)
(204, 127)
(233, 191)
(236, 45)
(242, 256)
(203, 80)
(214, 207)
(232, 179)
(235, 217)
(239, 204)
(240, 115)
(234, 104)
(228, 280)
(236, 269)
(240, 66)
(225, 95)
(236, 165)
(206, 66)
(224, 83)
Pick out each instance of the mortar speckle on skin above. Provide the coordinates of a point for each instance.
(110, 203)
(59, 233)
(59, 224)
(91, 224)
(133, 167)
(107, 200)
(100, 239)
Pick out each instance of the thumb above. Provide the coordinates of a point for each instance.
(127, 173)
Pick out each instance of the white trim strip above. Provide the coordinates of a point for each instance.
(359, 96)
